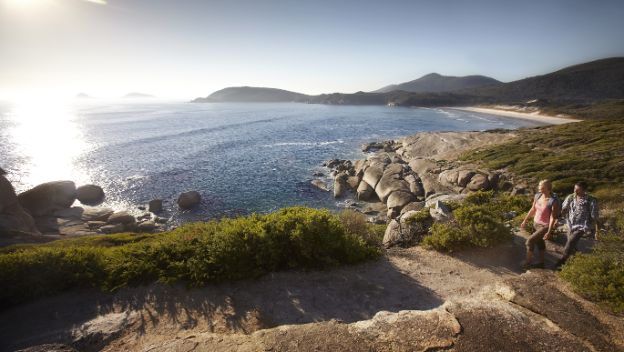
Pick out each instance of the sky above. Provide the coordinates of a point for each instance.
(188, 48)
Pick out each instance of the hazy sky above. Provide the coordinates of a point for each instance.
(187, 48)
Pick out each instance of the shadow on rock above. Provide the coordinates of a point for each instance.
(88, 319)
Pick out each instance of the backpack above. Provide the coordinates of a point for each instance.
(551, 201)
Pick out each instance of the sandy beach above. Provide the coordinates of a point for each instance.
(534, 116)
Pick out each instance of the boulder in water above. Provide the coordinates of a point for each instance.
(90, 194)
(155, 206)
(188, 200)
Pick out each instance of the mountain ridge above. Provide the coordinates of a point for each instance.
(435, 82)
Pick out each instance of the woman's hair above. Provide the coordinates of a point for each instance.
(546, 183)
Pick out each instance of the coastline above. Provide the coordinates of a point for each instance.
(533, 116)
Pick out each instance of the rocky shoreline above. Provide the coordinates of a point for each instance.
(59, 209)
(401, 177)
(397, 179)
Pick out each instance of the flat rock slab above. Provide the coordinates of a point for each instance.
(537, 291)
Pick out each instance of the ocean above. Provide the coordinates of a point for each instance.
(242, 157)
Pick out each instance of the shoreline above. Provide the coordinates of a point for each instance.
(533, 116)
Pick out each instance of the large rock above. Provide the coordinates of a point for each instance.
(448, 177)
(155, 206)
(359, 167)
(412, 206)
(405, 231)
(121, 217)
(188, 200)
(364, 191)
(390, 183)
(48, 197)
(415, 185)
(90, 194)
(96, 214)
(70, 213)
(398, 199)
(12, 215)
(353, 182)
(147, 226)
(340, 187)
(424, 166)
(430, 184)
(440, 212)
(320, 184)
(373, 174)
(112, 228)
(478, 182)
(464, 177)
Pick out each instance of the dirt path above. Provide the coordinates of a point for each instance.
(423, 285)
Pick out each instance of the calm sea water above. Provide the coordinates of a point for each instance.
(241, 157)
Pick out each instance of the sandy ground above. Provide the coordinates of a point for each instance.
(509, 112)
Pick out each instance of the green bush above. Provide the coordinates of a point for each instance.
(421, 216)
(478, 222)
(197, 254)
(356, 224)
(446, 237)
(599, 275)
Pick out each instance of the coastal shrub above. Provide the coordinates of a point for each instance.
(355, 223)
(196, 253)
(599, 275)
(478, 222)
(421, 216)
(588, 150)
(445, 237)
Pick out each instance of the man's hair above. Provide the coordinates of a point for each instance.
(582, 184)
(2, 172)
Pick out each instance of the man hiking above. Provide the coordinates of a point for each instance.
(580, 211)
(545, 211)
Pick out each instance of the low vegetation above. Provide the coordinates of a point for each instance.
(592, 151)
(195, 254)
(599, 275)
(480, 221)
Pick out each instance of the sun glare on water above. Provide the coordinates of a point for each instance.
(48, 138)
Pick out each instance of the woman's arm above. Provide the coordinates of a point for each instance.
(529, 214)
(554, 215)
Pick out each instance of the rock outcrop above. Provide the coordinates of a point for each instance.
(189, 200)
(13, 217)
(406, 230)
(49, 197)
(398, 173)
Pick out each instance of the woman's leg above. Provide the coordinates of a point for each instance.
(536, 240)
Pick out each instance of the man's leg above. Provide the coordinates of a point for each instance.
(570, 248)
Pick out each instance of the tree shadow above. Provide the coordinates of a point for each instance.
(347, 294)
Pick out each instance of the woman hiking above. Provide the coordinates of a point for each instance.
(545, 211)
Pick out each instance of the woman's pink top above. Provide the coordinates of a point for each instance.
(542, 213)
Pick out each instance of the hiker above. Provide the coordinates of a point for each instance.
(545, 211)
(581, 215)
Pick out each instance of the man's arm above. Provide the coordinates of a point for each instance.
(566, 205)
(595, 217)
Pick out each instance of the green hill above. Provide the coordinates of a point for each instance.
(434, 82)
(252, 94)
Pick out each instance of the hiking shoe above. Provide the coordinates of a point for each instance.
(525, 266)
